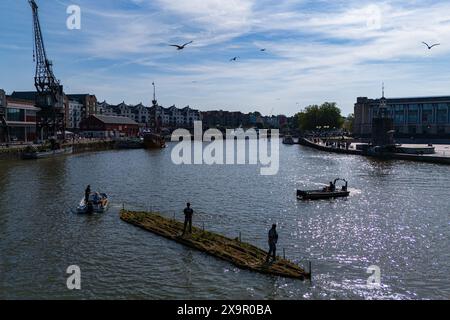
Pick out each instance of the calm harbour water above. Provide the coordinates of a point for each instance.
(397, 218)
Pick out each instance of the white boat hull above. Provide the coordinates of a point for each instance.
(100, 206)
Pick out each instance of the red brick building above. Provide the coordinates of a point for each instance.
(99, 126)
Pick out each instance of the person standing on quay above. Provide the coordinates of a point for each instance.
(188, 213)
(273, 239)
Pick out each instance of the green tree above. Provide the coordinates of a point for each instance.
(326, 115)
(349, 122)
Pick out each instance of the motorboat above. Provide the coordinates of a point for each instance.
(325, 193)
(97, 203)
(288, 140)
(154, 141)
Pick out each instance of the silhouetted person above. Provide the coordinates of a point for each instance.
(273, 239)
(87, 193)
(332, 187)
(188, 213)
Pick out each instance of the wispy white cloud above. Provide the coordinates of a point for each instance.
(316, 51)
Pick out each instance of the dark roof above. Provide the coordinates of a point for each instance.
(81, 98)
(419, 100)
(115, 120)
(24, 95)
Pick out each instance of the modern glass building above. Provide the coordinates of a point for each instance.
(21, 120)
(413, 117)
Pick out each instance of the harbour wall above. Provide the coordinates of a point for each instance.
(15, 152)
(392, 156)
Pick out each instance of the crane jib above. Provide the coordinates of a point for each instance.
(49, 97)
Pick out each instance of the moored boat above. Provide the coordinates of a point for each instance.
(325, 193)
(129, 144)
(33, 154)
(288, 140)
(154, 141)
(97, 203)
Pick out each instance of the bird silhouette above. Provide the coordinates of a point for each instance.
(431, 47)
(182, 46)
(262, 50)
(234, 59)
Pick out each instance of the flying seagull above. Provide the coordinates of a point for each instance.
(234, 59)
(181, 47)
(431, 47)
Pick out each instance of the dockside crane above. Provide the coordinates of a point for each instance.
(50, 95)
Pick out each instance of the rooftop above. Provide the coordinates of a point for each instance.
(24, 95)
(115, 120)
(411, 99)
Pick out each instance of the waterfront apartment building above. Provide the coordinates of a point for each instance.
(21, 119)
(74, 115)
(88, 102)
(227, 119)
(153, 116)
(413, 117)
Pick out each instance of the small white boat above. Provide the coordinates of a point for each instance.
(34, 154)
(98, 203)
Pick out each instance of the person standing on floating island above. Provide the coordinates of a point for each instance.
(188, 213)
(273, 239)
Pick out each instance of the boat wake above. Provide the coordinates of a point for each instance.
(304, 182)
(354, 191)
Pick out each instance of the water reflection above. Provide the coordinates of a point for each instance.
(396, 218)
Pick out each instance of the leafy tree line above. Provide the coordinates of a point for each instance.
(327, 115)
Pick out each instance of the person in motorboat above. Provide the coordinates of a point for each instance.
(87, 193)
(96, 198)
(332, 187)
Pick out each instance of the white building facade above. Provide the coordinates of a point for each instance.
(153, 116)
(74, 115)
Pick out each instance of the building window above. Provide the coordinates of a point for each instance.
(427, 114)
(442, 114)
(17, 115)
(31, 116)
(413, 113)
(399, 114)
(17, 133)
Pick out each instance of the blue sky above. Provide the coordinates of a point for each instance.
(316, 51)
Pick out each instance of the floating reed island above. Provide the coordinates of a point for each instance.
(242, 255)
